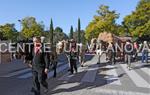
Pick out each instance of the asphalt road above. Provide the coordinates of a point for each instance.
(92, 79)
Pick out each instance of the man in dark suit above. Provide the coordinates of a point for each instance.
(40, 67)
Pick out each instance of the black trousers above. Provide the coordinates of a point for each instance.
(73, 66)
(112, 59)
(55, 69)
(39, 78)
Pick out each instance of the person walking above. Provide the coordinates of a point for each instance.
(145, 48)
(128, 53)
(40, 66)
(28, 56)
(81, 55)
(73, 60)
(112, 53)
(54, 62)
(135, 51)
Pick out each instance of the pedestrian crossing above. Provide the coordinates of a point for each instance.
(138, 80)
(112, 77)
(146, 70)
(91, 72)
(68, 76)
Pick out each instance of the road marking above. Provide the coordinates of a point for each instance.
(66, 86)
(67, 76)
(143, 68)
(90, 74)
(59, 69)
(50, 74)
(146, 70)
(17, 72)
(112, 76)
(137, 79)
(28, 75)
(115, 92)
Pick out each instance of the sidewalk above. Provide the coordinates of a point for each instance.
(14, 65)
(17, 64)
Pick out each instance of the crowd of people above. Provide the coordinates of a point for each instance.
(130, 52)
(40, 61)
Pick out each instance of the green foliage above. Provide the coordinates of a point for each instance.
(103, 22)
(71, 33)
(79, 30)
(1, 35)
(31, 27)
(82, 35)
(120, 30)
(138, 23)
(8, 31)
(58, 29)
(51, 32)
(59, 35)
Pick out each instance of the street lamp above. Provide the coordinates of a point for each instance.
(20, 21)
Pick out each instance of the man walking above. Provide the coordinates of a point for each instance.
(145, 48)
(128, 53)
(40, 67)
(112, 53)
(73, 60)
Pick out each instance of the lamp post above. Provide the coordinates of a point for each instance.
(18, 38)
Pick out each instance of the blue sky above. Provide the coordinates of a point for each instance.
(64, 12)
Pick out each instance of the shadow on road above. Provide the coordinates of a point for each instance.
(76, 85)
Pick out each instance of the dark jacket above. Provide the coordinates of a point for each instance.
(129, 49)
(73, 55)
(29, 53)
(40, 61)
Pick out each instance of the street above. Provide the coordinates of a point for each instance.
(92, 79)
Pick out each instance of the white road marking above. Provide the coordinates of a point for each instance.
(137, 79)
(112, 76)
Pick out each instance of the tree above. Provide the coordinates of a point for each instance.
(105, 21)
(51, 32)
(31, 27)
(79, 30)
(8, 32)
(1, 35)
(82, 35)
(58, 29)
(59, 35)
(71, 33)
(138, 23)
(121, 30)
